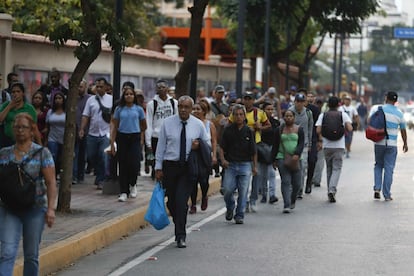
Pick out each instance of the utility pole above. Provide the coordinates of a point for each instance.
(240, 48)
(117, 57)
(265, 84)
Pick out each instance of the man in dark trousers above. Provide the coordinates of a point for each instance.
(178, 135)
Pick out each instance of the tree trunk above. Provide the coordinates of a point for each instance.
(89, 53)
(191, 56)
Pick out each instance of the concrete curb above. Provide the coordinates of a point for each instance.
(65, 252)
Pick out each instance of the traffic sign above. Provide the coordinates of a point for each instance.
(379, 69)
(404, 33)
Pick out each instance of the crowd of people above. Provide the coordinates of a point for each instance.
(184, 141)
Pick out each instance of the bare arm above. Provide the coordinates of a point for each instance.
(213, 134)
(404, 137)
(84, 123)
(114, 131)
(50, 181)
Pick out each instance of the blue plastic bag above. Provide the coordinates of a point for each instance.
(156, 213)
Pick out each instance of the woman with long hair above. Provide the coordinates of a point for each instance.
(28, 222)
(39, 102)
(55, 120)
(128, 123)
(199, 111)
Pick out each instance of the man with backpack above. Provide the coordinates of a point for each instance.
(386, 149)
(161, 107)
(330, 128)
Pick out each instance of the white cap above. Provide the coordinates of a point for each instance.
(271, 90)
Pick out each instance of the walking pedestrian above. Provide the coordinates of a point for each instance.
(239, 156)
(129, 122)
(289, 144)
(160, 108)
(178, 135)
(97, 135)
(28, 223)
(386, 149)
(353, 114)
(199, 111)
(333, 147)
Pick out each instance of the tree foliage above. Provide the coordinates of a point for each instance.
(62, 20)
(302, 21)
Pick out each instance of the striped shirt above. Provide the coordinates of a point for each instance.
(394, 120)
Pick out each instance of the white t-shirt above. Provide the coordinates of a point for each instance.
(338, 144)
(350, 110)
(97, 126)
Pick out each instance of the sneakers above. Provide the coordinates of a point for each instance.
(264, 199)
(133, 191)
(377, 195)
(286, 210)
(292, 206)
(238, 220)
(229, 215)
(122, 197)
(247, 207)
(193, 209)
(331, 197)
(273, 199)
(99, 186)
(388, 199)
(204, 203)
(253, 207)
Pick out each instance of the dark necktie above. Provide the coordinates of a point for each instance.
(182, 143)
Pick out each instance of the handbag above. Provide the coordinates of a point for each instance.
(290, 163)
(18, 188)
(264, 153)
(156, 213)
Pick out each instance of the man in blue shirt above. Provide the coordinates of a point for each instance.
(386, 149)
(178, 135)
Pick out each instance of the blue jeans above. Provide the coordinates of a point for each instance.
(31, 224)
(237, 176)
(385, 157)
(267, 173)
(290, 183)
(95, 147)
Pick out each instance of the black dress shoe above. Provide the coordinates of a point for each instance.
(308, 190)
(181, 243)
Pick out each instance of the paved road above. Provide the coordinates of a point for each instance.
(355, 236)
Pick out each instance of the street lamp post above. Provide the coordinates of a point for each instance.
(240, 48)
(266, 48)
(117, 57)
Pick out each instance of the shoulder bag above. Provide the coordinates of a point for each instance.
(288, 161)
(17, 188)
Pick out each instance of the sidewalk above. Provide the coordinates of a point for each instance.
(96, 221)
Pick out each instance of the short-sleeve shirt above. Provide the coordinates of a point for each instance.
(26, 108)
(97, 126)
(56, 126)
(43, 159)
(338, 144)
(129, 118)
(394, 119)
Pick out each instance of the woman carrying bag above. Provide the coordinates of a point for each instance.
(29, 222)
(288, 148)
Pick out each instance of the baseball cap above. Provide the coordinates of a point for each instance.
(300, 98)
(248, 94)
(392, 96)
(219, 88)
(272, 90)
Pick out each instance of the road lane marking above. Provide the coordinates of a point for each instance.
(150, 253)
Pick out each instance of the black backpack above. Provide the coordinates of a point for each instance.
(332, 125)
